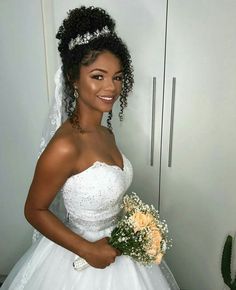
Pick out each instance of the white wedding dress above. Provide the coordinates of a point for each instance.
(92, 199)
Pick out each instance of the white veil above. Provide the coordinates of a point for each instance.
(56, 117)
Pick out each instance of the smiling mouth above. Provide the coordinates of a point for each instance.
(106, 98)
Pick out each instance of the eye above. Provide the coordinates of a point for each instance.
(97, 77)
(118, 78)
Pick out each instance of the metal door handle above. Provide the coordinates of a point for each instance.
(153, 119)
(171, 122)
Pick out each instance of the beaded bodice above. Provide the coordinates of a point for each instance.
(93, 197)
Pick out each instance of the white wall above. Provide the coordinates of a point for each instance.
(24, 103)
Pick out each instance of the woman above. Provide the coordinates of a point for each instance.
(83, 161)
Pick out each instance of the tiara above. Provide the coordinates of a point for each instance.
(87, 37)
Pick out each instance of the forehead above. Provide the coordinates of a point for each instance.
(105, 61)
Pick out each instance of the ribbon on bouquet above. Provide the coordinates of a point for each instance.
(80, 263)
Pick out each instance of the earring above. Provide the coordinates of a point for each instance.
(76, 94)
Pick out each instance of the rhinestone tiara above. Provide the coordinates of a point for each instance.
(87, 37)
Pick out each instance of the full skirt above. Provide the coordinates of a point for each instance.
(47, 266)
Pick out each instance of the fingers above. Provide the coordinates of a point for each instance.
(118, 253)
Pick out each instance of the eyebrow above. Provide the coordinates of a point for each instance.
(104, 71)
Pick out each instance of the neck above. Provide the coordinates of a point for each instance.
(87, 119)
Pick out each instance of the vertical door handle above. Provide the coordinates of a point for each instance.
(153, 119)
(171, 122)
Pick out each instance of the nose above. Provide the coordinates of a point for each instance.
(109, 85)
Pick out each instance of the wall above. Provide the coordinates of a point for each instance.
(24, 103)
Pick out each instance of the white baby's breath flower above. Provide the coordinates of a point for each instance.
(164, 246)
(140, 233)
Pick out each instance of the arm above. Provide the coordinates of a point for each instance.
(54, 166)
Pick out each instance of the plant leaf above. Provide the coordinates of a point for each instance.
(226, 261)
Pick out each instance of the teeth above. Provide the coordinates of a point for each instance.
(105, 98)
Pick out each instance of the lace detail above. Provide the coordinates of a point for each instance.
(93, 226)
(93, 197)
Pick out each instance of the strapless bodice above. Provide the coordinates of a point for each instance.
(93, 197)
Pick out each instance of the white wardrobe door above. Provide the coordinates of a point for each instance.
(24, 104)
(198, 190)
(142, 25)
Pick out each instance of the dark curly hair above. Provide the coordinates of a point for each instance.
(79, 21)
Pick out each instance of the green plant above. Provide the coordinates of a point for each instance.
(226, 264)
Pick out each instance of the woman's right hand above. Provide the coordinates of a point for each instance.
(100, 254)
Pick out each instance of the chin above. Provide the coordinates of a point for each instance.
(107, 110)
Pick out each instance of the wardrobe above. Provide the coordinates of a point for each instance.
(179, 126)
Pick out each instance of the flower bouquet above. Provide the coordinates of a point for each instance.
(139, 234)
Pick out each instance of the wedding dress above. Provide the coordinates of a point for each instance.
(91, 202)
(92, 199)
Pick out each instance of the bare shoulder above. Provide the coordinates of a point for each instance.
(61, 150)
(61, 147)
(54, 167)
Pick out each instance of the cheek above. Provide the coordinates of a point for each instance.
(119, 88)
(94, 87)
(90, 88)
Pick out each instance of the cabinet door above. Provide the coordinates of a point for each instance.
(198, 190)
(141, 25)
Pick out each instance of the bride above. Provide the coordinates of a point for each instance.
(81, 162)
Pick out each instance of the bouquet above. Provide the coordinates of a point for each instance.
(139, 234)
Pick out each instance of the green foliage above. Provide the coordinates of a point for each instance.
(226, 264)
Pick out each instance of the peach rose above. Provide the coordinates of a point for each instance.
(158, 258)
(156, 238)
(141, 220)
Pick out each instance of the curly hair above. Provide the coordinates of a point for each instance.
(80, 21)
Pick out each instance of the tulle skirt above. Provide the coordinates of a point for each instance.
(48, 266)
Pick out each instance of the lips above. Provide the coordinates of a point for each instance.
(107, 99)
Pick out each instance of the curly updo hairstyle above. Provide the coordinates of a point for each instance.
(80, 21)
